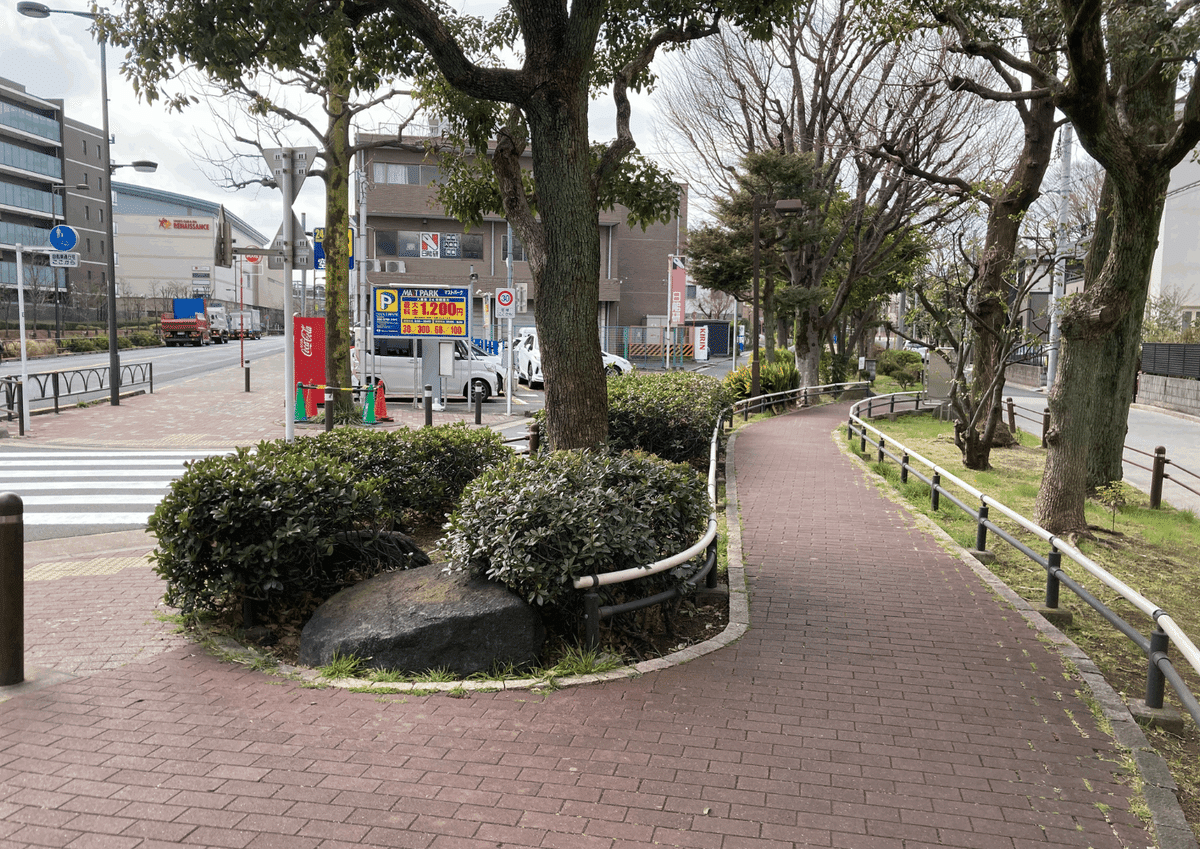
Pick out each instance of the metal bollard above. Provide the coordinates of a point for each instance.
(591, 621)
(478, 397)
(21, 407)
(710, 580)
(428, 405)
(1155, 680)
(328, 409)
(1012, 416)
(54, 385)
(1054, 563)
(904, 468)
(1157, 476)
(881, 449)
(12, 589)
(535, 434)
(934, 491)
(246, 373)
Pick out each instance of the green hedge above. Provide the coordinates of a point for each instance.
(892, 360)
(536, 524)
(670, 414)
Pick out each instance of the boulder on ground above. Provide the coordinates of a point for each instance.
(422, 619)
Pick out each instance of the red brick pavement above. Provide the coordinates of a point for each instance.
(883, 697)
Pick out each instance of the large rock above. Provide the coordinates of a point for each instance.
(423, 619)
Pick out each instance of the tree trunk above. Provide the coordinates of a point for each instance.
(1004, 225)
(337, 221)
(567, 276)
(1088, 323)
(808, 346)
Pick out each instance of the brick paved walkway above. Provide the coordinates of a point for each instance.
(883, 697)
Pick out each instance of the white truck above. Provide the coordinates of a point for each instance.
(245, 324)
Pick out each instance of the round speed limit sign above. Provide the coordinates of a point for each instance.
(506, 302)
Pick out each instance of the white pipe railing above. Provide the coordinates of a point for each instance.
(1181, 640)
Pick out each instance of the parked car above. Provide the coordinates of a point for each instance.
(397, 364)
(529, 359)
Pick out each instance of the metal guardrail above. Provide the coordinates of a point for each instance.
(1160, 669)
(1159, 460)
(14, 400)
(69, 382)
(595, 613)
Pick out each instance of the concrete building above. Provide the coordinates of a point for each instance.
(1176, 270)
(165, 248)
(52, 171)
(411, 240)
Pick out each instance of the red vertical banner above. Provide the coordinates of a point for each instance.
(308, 341)
(678, 291)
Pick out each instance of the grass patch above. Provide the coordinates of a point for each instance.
(1157, 552)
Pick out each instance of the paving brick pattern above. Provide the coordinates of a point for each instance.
(881, 698)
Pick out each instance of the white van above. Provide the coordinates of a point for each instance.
(397, 362)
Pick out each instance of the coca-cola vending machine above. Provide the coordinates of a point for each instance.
(308, 339)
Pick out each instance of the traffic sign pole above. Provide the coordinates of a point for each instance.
(26, 394)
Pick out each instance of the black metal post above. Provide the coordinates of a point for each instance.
(1054, 563)
(891, 403)
(849, 428)
(1155, 680)
(1157, 476)
(981, 529)
(20, 408)
(710, 580)
(1012, 416)
(478, 398)
(904, 467)
(328, 409)
(591, 620)
(535, 434)
(862, 448)
(12, 589)
(881, 446)
(151, 378)
(428, 405)
(933, 491)
(54, 385)
(246, 374)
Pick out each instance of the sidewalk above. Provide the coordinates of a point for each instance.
(882, 697)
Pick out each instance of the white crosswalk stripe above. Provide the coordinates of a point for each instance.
(96, 488)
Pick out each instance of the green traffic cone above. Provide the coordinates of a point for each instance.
(369, 406)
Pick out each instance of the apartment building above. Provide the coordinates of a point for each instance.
(412, 240)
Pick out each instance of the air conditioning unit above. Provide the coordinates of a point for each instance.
(370, 264)
(394, 266)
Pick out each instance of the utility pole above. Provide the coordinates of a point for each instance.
(1060, 259)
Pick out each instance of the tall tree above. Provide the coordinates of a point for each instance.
(826, 89)
(343, 68)
(1127, 87)
(564, 54)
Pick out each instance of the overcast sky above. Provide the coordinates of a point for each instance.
(56, 57)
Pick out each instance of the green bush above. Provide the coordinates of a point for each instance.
(536, 524)
(779, 375)
(421, 472)
(145, 339)
(907, 376)
(889, 362)
(79, 344)
(671, 414)
(259, 524)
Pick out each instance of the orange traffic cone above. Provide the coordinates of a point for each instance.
(301, 412)
(381, 414)
(310, 402)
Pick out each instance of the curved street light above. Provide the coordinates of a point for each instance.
(31, 9)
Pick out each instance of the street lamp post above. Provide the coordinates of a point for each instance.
(40, 10)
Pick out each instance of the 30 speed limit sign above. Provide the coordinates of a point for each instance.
(506, 303)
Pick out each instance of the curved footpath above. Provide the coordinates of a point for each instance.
(883, 696)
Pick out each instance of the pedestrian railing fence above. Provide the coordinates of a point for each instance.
(14, 400)
(47, 389)
(945, 485)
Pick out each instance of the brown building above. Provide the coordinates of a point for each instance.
(411, 240)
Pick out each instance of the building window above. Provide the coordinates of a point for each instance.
(85, 178)
(472, 245)
(518, 253)
(691, 291)
(85, 148)
(406, 175)
(101, 212)
(89, 246)
(87, 213)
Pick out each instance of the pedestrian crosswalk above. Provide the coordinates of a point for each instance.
(117, 489)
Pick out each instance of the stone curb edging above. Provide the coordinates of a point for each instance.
(739, 623)
(1171, 828)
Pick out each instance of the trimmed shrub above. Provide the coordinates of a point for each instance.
(889, 362)
(670, 414)
(261, 525)
(421, 472)
(79, 344)
(144, 339)
(535, 525)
